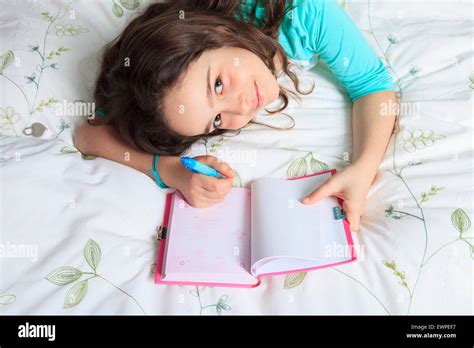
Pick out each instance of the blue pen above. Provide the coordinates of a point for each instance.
(197, 167)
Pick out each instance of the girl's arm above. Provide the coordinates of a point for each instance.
(372, 129)
(103, 141)
(337, 40)
(200, 191)
(373, 118)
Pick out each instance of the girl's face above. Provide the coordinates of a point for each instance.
(219, 90)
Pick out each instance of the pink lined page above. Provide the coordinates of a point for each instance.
(211, 244)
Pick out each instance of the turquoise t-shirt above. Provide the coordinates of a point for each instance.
(322, 27)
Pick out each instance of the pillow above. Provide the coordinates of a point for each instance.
(49, 59)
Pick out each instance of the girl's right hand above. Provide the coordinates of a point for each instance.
(202, 191)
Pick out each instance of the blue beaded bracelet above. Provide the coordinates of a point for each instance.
(159, 182)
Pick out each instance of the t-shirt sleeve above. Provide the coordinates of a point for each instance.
(333, 35)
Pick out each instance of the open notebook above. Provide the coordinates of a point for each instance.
(264, 230)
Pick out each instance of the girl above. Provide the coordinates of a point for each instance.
(192, 69)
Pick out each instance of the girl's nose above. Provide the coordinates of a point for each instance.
(241, 111)
(245, 104)
(239, 108)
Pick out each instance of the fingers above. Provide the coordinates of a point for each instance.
(204, 191)
(199, 197)
(217, 164)
(326, 189)
(224, 169)
(212, 184)
(209, 190)
(352, 215)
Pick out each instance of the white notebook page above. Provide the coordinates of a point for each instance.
(283, 227)
(211, 244)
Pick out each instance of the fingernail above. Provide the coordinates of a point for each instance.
(306, 200)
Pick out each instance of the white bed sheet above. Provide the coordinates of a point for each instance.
(55, 204)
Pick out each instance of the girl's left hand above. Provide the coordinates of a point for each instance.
(352, 185)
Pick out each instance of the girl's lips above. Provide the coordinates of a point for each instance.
(259, 96)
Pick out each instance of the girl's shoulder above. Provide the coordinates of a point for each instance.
(295, 31)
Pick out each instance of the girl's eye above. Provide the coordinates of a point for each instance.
(218, 84)
(218, 119)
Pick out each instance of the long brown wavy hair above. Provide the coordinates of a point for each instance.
(155, 49)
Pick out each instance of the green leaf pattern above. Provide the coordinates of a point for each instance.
(63, 275)
(68, 149)
(299, 166)
(67, 275)
(461, 221)
(413, 140)
(6, 299)
(418, 139)
(293, 280)
(34, 78)
(76, 294)
(399, 274)
(92, 254)
(127, 4)
(6, 59)
(425, 197)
